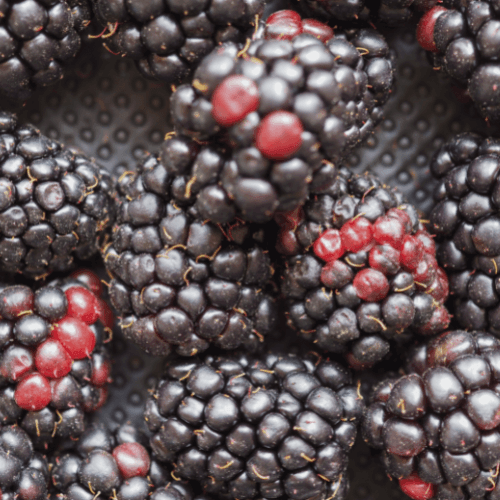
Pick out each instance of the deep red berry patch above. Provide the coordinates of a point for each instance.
(417, 489)
(360, 275)
(284, 25)
(279, 135)
(287, 24)
(425, 28)
(132, 460)
(52, 329)
(233, 99)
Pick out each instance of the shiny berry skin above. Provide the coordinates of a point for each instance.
(283, 25)
(233, 99)
(417, 489)
(287, 242)
(101, 370)
(317, 29)
(435, 426)
(329, 245)
(357, 234)
(279, 135)
(75, 336)
(33, 392)
(402, 216)
(286, 140)
(425, 28)
(78, 196)
(132, 460)
(52, 360)
(54, 367)
(16, 361)
(15, 300)
(106, 315)
(82, 304)
(356, 296)
(89, 279)
(385, 259)
(427, 242)
(335, 274)
(390, 231)
(411, 252)
(276, 430)
(371, 285)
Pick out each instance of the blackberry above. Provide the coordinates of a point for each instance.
(387, 12)
(53, 364)
(288, 106)
(267, 427)
(38, 38)
(361, 270)
(114, 465)
(463, 40)
(168, 38)
(179, 282)
(24, 474)
(465, 220)
(55, 205)
(438, 428)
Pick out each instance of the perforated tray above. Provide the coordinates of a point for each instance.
(105, 108)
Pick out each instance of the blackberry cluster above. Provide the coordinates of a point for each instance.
(466, 221)
(37, 39)
(55, 205)
(463, 40)
(268, 427)
(181, 282)
(24, 474)
(53, 364)
(168, 38)
(114, 465)
(439, 427)
(362, 270)
(287, 105)
(387, 12)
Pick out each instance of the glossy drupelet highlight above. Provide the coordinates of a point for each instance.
(466, 222)
(115, 464)
(179, 282)
(361, 271)
(168, 38)
(56, 205)
(37, 40)
(54, 367)
(463, 40)
(287, 106)
(438, 425)
(24, 473)
(269, 427)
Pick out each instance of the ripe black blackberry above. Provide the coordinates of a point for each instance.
(37, 39)
(388, 12)
(114, 465)
(464, 42)
(466, 221)
(362, 270)
(24, 474)
(179, 282)
(53, 364)
(287, 105)
(438, 427)
(168, 38)
(55, 205)
(267, 427)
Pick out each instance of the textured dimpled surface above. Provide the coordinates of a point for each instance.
(109, 111)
